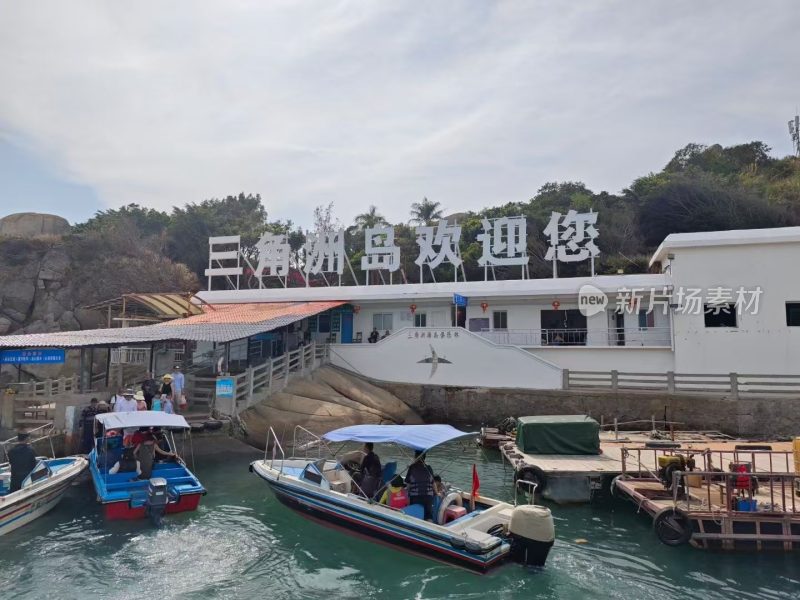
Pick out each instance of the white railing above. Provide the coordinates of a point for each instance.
(627, 337)
(49, 387)
(130, 356)
(273, 375)
(726, 384)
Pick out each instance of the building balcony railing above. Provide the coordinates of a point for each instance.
(659, 337)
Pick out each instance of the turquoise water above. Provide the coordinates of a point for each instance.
(243, 544)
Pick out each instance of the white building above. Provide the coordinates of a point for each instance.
(717, 302)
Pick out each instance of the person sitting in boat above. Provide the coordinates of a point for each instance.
(420, 484)
(22, 460)
(369, 478)
(395, 495)
(127, 463)
(146, 452)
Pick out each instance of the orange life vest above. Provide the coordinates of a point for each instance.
(398, 497)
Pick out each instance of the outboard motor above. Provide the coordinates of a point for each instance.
(157, 499)
(532, 534)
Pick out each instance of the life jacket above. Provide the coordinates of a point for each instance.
(398, 497)
(419, 480)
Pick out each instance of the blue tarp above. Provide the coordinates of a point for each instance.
(417, 437)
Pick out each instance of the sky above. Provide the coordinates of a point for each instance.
(468, 103)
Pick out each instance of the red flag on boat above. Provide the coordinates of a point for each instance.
(476, 483)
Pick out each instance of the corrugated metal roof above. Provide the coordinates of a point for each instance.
(167, 306)
(221, 323)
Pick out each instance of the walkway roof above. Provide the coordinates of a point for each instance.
(218, 323)
(165, 306)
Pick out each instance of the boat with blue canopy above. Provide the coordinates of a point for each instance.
(136, 467)
(40, 491)
(462, 528)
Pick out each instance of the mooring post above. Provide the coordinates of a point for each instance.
(671, 382)
(734, 386)
(614, 380)
(616, 429)
(565, 379)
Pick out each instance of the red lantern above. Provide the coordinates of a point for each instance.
(484, 306)
(413, 308)
(556, 304)
(356, 308)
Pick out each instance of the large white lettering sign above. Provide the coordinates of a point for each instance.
(504, 242)
(223, 261)
(325, 252)
(273, 256)
(571, 237)
(438, 244)
(379, 250)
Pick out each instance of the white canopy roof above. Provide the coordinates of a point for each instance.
(142, 418)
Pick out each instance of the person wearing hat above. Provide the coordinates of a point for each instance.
(127, 403)
(166, 386)
(22, 460)
(141, 403)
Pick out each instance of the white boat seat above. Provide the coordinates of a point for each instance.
(499, 514)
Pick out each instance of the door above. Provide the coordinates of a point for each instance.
(347, 328)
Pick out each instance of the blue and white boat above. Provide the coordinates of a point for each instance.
(171, 487)
(40, 491)
(486, 534)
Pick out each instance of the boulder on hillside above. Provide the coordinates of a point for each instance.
(33, 224)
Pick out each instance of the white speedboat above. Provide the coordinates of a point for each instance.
(480, 535)
(40, 491)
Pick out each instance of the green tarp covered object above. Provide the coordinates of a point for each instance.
(558, 434)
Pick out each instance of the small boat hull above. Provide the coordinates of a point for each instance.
(18, 509)
(123, 511)
(378, 524)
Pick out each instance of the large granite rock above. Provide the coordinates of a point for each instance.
(327, 400)
(28, 225)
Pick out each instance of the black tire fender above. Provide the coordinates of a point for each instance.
(530, 473)
(672, 526)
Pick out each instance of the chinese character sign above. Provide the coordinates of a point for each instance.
(572, 236)
(438, 244)
(273, 255)
(504, 242)
(325, 252)
(379, 250)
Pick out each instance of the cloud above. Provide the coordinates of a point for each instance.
(467, 103)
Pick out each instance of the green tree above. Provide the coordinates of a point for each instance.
(371, 218)
(191, 226)
(425, 212)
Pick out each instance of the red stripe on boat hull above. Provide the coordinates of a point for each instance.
(122, 510)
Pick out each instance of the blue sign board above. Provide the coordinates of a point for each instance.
(33, 356)
(225, 388)
(459, 300)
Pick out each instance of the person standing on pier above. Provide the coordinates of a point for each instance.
(149, 389)
(178, 386)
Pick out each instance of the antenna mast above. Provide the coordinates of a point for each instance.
(794, 132)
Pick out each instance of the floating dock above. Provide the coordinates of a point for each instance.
(751, 503)
(576, 478)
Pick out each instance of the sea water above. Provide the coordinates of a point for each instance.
(242, 543)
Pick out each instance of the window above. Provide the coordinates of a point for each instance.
(720, 315)
(793, 314)
(647, 319)
(500, 319)
(382, 322)
(420, 320)
(324, 323)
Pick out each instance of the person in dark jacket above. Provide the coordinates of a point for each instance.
(149, 389)
(22, 460)
(87, 425)
(420, 484)
(371, 470)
